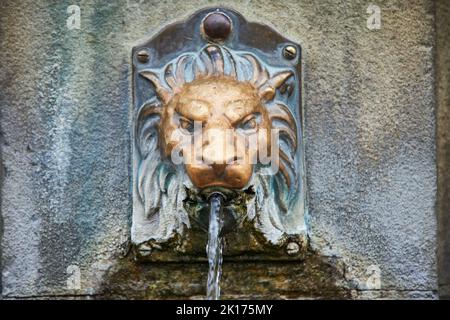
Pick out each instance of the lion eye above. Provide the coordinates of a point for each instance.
(249, 124)
(187, 125)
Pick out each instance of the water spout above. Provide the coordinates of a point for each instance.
(214, 247)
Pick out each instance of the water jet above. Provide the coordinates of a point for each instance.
(214, 246)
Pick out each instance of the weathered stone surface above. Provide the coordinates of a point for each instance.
(313, 277)
(443, 136)
(370, 111)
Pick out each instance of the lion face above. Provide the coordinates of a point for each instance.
(227, 113)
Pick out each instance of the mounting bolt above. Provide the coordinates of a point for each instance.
(292, 248)
(143, 56)
(217, 26)
(145, 250)
(290, 52)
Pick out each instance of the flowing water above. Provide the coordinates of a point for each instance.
(214, 247)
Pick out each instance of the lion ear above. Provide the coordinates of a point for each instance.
(268, 90)
(162, 92)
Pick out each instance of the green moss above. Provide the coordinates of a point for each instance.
(312, 277)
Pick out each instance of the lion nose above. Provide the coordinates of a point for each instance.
(218, 149)
(218, 159)
(219, 168)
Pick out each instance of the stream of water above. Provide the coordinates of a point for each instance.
(214, 247)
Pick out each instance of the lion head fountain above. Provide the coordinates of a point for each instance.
(219, 120)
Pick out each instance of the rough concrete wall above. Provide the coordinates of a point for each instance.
(443, 95)
(370, 144)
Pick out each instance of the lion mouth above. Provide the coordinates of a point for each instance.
(234, 206)
(219, 184)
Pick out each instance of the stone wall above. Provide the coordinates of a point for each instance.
(370, 117)
(443, 136)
